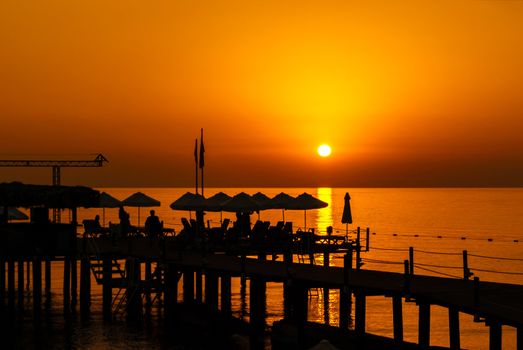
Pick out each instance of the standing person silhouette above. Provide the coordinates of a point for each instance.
(125, 223)
(153, 226)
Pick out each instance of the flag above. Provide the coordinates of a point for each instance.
(196, 151)
(202, 150)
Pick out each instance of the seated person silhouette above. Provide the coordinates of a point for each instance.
(96, 224)
(153, 226)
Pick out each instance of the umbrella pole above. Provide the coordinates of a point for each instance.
(305, 219)
(138, 216)
(103, 217)
(283, 214)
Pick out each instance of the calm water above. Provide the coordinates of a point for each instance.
(485, 222)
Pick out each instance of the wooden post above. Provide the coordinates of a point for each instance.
(37, 285)
(225, 294)
(519, 338)
(11, 286)
(188, 286)
(2, 282)
(476, 291)
(326, 262)
(300, 310)
(495, 335)
(211, 289)
(107, 290)
(171, 290)
(424, 326)
(148, 285)
(21, 283)
(406, 277)
(287, 286)
(367, 239)
(411, 261)
(466, 271)
(454, 328)
(133, 292)
(74, 262)
(358, 250)
(67, 283)
(257, 312)
(397, 316)
(345, 293)
(74, 280)
(28, 274)
(360, 314)
(47, 268)
(85, 286)
(199, 289)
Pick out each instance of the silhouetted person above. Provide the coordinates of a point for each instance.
(96, 224)
(200, 221)
(125, 222)
(153, 226)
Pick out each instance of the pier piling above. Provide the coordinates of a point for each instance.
(257, 312)
(424, 325)
(171, 290)
(85, 287)
(2, 282)
(37, 285)
(345, 292)
(454, 328)
(47, 268)
(494, 335)
(225, 295)
(199, 286)
(67, 284)
(397, 316)
(74, 281)
(20, 283)
(11, 286)
(148, 285)
(361, 301)
(107, 290)
(188, 285)
(211, 289)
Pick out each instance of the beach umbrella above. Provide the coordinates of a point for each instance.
(282, 201)
(107, 201)
(306, 201)
(15, 214)
(189, 202)
(139, 200)
(346, 218)
(263, 201)
(215, 202)
(242, 202)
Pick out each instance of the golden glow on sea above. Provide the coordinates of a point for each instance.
(396, 88)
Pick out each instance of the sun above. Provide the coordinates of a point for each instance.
(324, 150)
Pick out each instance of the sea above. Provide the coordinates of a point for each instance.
(438, 223)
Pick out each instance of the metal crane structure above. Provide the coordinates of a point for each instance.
(56, 165)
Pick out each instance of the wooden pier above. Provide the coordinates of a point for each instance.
(167, 263)
(205, 269)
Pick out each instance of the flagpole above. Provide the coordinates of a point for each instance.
(196, 163)
(202, 150)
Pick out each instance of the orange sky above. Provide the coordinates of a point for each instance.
(408, 93)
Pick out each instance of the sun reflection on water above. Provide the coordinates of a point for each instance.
(324, 215)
